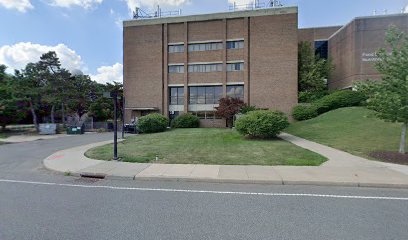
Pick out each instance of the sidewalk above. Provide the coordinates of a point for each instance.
(342, 169)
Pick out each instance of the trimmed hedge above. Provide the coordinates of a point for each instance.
(304, 112)
(262, 123)
(339, 99)
(152, 123)
(311, 96)
(186, 121)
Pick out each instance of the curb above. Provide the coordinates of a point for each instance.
(103, 175)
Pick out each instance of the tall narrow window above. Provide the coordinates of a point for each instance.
(176, 95)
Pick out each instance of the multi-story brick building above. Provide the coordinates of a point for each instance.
(185, 64)
(352, 48)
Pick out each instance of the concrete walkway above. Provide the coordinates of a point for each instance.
(342, 169)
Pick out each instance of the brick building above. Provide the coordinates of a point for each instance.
(185, 64)
(353, 47)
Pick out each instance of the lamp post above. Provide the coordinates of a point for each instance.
(114, 96)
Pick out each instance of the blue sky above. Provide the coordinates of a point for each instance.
(88, 35)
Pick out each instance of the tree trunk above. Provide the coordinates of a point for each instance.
(63, 114)
(35, 120)
(3, 127)
(403, 138)
(52, 114)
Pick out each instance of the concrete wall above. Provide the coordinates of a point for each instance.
(318, 33)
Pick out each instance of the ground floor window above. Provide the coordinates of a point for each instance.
(205, 115)
(205, 95)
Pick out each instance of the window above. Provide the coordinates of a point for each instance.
(236, 91)
(176, 95)
(217, 67)
(322, 49)
(205, 115)
(231, 67)
(205, 95)
(176, 69)
(235, 44)
(176, 48)
(195, 47)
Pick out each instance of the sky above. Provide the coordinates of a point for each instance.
(87, 34)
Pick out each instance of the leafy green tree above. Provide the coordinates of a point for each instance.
(389, 97)
(31, 88)
(313, 71)
(10, 106)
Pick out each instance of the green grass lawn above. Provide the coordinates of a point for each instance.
(207, 146)
(353, 129)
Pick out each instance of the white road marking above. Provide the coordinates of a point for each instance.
(208, 191)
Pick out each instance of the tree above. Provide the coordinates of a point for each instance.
(313, 71)
(10, 106)
(227, 109)
(31, 88)
(389, 97)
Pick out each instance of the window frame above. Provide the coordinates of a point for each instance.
(178, 97)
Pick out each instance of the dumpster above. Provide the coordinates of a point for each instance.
(73, 130)
(48, 128)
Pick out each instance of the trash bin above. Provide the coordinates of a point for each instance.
(75, 130)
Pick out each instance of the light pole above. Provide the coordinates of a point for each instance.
(114, 96)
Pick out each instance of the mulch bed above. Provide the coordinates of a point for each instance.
(392, 157)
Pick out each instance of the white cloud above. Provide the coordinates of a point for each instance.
(79, 3)
(19, 5)
(406, 9)
(18, 55)
(132, 4)
(109, 74)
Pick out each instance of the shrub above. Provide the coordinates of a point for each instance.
(186, 121)
(304, 112)
(152, 123)
(339, 99)
(262, 123)
(311, 96)
(246, 109)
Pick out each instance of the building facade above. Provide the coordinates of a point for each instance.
(352, 48)
(186, 64)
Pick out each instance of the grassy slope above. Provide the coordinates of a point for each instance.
(208, 146)
(354, 130)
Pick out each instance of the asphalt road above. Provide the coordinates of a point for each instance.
(39, 204)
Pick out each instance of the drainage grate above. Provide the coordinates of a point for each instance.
(93, 175)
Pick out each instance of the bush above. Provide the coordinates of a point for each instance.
(186, 121)
(262, 123)
(304, 112)
(152, 123)
(247, 109)
(339, 99)
(311, 96)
